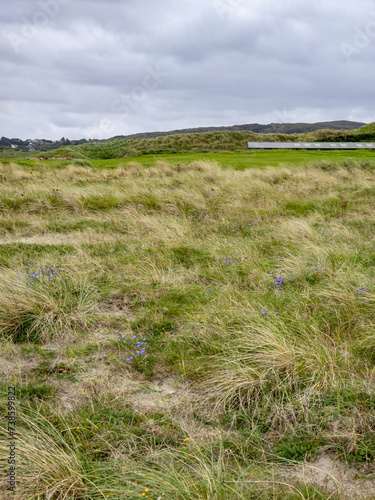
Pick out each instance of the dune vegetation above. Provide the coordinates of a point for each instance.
(202, 142)
(186, 331)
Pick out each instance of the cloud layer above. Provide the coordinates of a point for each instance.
(96, 69)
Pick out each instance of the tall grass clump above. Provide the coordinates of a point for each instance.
(269, 359)
(49, 461)
(41, 304)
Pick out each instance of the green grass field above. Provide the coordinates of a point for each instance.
(237, 160)
(249, 159)
(194, 326)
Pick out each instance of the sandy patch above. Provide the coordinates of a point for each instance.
(161, 394)
(16, 366)
(60, 239)
(334, 476)
(120, 307)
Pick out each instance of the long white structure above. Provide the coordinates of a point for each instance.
(311, 145)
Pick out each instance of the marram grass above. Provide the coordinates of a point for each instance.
(254, 290)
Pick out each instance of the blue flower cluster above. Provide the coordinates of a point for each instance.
(228, 260)
(37, 275)
(360, 289)
(277, 280)
(138, 343)
(269, 314)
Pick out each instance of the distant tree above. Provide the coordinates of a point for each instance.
(4, 141)
(19, 142)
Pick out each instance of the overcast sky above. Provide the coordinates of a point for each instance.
(99, 68)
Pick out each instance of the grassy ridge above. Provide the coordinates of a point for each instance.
(203, 142)
(184, 331)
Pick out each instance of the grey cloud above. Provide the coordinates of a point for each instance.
(94, 62)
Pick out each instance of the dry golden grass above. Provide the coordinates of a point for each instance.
(46, 463)
(159, 240)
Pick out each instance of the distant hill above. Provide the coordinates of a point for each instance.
(202, 139)
(271, 128)
(45, 145)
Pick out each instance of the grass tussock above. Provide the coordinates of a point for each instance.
(34, 309)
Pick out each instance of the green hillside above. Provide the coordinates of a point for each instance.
(367, 129)
(210, 142)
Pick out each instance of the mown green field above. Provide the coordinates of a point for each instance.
(180, 330)
(249, 159)
(236, 160)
